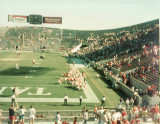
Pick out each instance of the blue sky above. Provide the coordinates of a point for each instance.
(83, 14)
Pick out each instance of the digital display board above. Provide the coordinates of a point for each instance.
(35, 19)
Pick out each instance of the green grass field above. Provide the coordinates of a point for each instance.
(45, 74)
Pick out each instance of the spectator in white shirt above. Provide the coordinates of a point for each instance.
(104, 118)
(65, 100)
(21, 114)
(127, 103)
(103, 101)
(131, 102)
(85, 117)
(32, 113)
(100, 112)
(58, 118)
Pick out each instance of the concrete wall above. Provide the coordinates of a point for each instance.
(137, 83)
(115, 70)
(128, 91)
(147, 100)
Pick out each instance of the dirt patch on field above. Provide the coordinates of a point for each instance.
(9, 59)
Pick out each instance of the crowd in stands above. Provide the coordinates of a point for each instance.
(124, 42)
(143, 65)
(121, 115)
(30, 38)
(134, 115)
(149, 64)
(75, 78)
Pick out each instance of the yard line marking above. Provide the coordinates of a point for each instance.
(30, 85)
(53, 100)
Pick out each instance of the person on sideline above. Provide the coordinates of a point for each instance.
(103, 101)
(58, 118)
(12, 110)
(80, 100)
(1, 116)
(32, 113)
(65, 100)
(104, 119)
(85, 117)
(21, 114)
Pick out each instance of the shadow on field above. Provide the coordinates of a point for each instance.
(33, 71)
(70, 87)
(5, 95)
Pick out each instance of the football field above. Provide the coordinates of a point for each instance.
(38, 83)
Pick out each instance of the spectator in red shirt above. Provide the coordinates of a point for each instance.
(124, 114)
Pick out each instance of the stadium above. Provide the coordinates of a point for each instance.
(88, 76)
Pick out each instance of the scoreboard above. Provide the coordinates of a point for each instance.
(35, 19)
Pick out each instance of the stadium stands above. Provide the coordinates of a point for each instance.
(128, 57)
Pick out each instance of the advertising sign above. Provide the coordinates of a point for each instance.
(17, 18)
(54, 20)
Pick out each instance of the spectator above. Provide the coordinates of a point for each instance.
(121, 100)
(85, 118)
(156, 114)
(131, 102)
(75, 121)
(95, 113)
(124, 114)
(108, 114)
(104, 118)
(12, 110)
(114, 118)
(127, 103)
(103, 101)
(100, 113)
(21, 113)
(32, 113)
(58, 118)
(83, 110)
(119, 107)
(1, 116)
